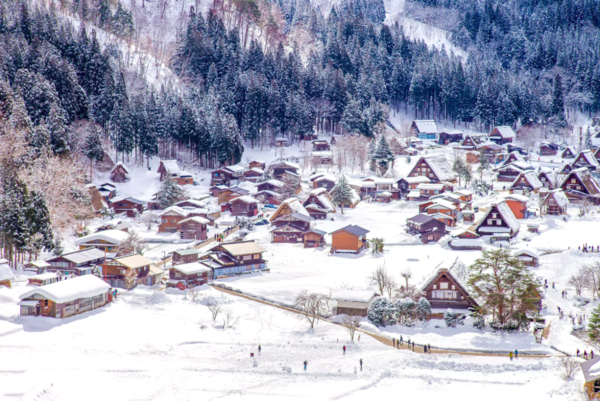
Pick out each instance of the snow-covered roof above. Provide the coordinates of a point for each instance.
(194, 202)
(257, 170)
(134, 261)
(171, 166)
(354, 296)
(174, 209)
(119, 164)
(441, 167)
(39, 263)
(415, 193)
(295, 205)
(467, 242)
(517, 197)
(184, 174)
(275, 183)
(494, 229)
(192, 268)
(384, 194)
(439, 187)
(589, 157)
(85, 255)
(416, 180)
(531, 179)
(43, 276)
(324, 177)
(195, 219)
(591, 369)
(526, 251)
(506, 131)
(441, 204)
(322, 195)
(243, 248)
(506, 214)
(559, 197)
(584, 175)
(426, 126)
(110, 236)
(5, 272)
(69, 290)
(235, 168)
(463, 192)
(244, 199)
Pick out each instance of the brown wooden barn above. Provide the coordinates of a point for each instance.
(290, 228)
(193, 228)
(132, 207)
(119, 173)
(444, 291)
(555, 203)
(189, 275)
(244, 206)
(579, 185)
(349, 239)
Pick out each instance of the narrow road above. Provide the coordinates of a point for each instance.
(381, 339)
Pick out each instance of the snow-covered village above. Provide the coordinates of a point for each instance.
(299, 199)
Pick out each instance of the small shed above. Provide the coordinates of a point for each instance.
(43, 279)
(353, 302)
(313, 238)
(591, 374)
(191, 274)
(119, 173)
(528, 257)
(468, 216)
(6, 273)
(280, 142)
(351, 239)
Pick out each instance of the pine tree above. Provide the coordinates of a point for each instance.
(169, 193)
(451, 318)
(558, 103)
(594, 327)
(341, 193)
(378, 312)
(484, 164)
(384, 155)
(57, 125)
(423, 309)
(92, 149)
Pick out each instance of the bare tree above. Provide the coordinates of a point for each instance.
(215, 308)
(351, 323)
(130, 278)
(569, 367)
(383, 280)
(149, 218)
(406, 275)
(579, 281)
(195, 294)
(132, 245)
(312, 306)
(593, 278)
(229, 319)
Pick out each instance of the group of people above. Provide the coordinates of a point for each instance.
(397, 343)
(585, 354)
(589, 248)
(223, 235)
(516, 354)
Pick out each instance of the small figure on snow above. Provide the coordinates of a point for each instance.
(516, 353)
(510, 354)
(259, 348)
(305, 363)
(585, 354)
(344, 348)
(400, 340)
(361, 364)
(578, 351)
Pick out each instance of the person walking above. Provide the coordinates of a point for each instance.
(393, 342)
(429, 348)
(413, 346)
(344, 348)
(359, 337)
(510, 354)
(516, 353)
(578, 351)
(592, 354)
(360, 364)
(305, 363)
(400, 340)
(259, 348)
(585, 354)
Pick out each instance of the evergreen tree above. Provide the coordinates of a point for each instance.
(558, 104)
(341, 193)
(484, 164)
(169, 193)
(384, 156)
(92, 149)
(57, 125)
(594, 327)
(423, 309)
(378, 312)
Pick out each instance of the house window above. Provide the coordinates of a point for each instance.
(494, 215)
(490, 222)
(435, 287)
(164, 220)
(597, 386)
(498, 222)
(453, 287)
(444, 286)
(122, 271)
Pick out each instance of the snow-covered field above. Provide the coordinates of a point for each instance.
(154, 345)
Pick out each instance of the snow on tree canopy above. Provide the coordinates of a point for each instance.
(69, 290)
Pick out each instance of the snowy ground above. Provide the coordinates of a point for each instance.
(154, 345)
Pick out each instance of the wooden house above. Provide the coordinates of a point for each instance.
(279, 170)
(234, 258)
(424, 129)
(503, 134)
(468, 216)
(493, 152)
(353, 302)
(168, 169)
(313, 238)
(6, 274)
(441, 206)
(349, 239)
(555, 203)
(473, 141)
(568, 153)
(464, 233)
(171, 217)
(579, 185)
(566, 169)
(132, 207)
(548, 149)
(200, 209)
(528, 257)
(511, 171)
(318, 204)
(472, 157)
(498, 219)
(526, 183)
(271, 185)
(65, 298)
(119, 173)
(35, 266)
(428, 190)
(194, 228)
(435, 167)
(244, 206)
(326, 181)
(141, 270)
(547, 178)
(107, 191)
(217, 190)
(185, 256)
(290, 228)
(257, 164)
(591, 373)
(289, 206)
(320, 145)
(518, 205)
(444, 291)
(115, 224)
(78, 263)
(446, 137)
(586, 158)
(447, 220)
(427, 227)
(514, 157)
(43, 279)
(184, 178)
(280, 142)
(189, 275)
(228, 176)
(253, 174)
(408, 184)
(465, 195)
(108, 241)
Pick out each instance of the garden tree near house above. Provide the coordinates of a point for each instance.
(406, 275)
(383, 156)
(376, 245)
(504, 286)
(484, 164)
(452, 319)
(169, 193)
(40, 225)
(383, 280)
(312, 306)
(594, 327)
(130, 278)
(458, 166)
(341, 193)
(92, 148)
(132, 245)
(288, 189)
(405, 310)
(351, 323)
(423, 309)
(379, 312)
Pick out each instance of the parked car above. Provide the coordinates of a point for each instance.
(262, 222)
